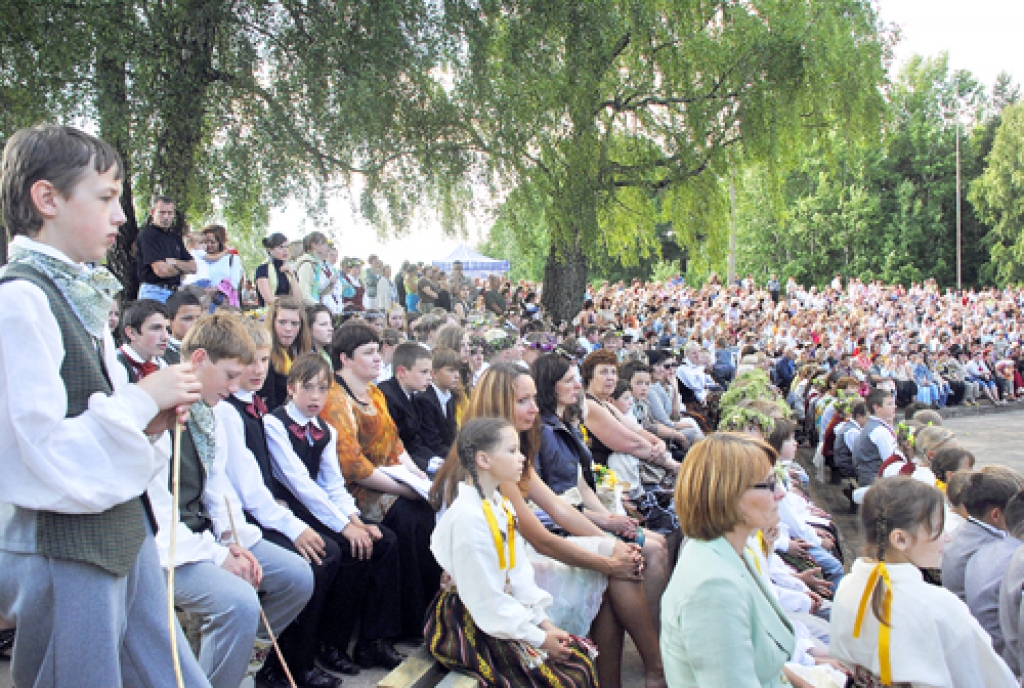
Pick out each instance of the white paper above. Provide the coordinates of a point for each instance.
(403, 475)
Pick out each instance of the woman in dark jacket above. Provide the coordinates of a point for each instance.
(564, 462)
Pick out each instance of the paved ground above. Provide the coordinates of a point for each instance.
(994, 435)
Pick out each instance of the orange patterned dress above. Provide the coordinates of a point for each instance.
(367, 439)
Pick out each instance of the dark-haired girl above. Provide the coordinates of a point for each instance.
(489, 619)
(889, 626)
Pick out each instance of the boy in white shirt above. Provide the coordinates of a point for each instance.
(145, 334)
(78, 568)
(218, 569)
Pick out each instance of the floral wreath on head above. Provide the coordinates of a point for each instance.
(742, 419)
(906, 434)
(546, 344)
(498, 339)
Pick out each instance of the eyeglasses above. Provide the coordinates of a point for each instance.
(769, 483)
(669, 366)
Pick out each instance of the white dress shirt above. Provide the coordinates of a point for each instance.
(85, 464)
(327, 498)
(194, 547)
(464, 547)
(244, 473)
(692, 375)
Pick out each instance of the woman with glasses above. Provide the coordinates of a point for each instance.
(721, 626)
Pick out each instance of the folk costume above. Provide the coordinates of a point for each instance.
(77, 558)
(135, 366)
(249, 467)
(931, 642)
(486, 619)
(227, 604)
(304, 457)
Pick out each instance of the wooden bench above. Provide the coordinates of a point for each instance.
(421, 670)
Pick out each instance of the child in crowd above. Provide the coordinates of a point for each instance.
(412, 366)
(888, 625)
(303, 450)
(145, 335)
(947, 463)
(489, 618)
(321, 330)
(1010, 589)
(222, 574)
(250, 470)
(984, 574)
(984, 496)
(289, 333)
(437, 405)
(183, 309)
(78, 569)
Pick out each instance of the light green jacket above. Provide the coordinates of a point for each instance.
(720, 626)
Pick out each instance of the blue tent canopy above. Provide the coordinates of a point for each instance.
(473, 264)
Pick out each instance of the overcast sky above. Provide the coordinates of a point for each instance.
(982, 36)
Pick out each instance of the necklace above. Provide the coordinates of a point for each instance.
(349, 391)
(508, 564)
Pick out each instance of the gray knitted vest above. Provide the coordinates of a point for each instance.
(110, 539)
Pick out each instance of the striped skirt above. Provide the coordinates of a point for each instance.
(457, 643)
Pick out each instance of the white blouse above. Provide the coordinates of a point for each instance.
(935, 642)
(464, 547)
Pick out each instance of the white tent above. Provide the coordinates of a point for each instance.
(473, 264)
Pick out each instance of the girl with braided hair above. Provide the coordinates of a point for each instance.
(489, 618)
(888, 625)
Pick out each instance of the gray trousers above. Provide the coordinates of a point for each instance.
(82, 627)
(230, 608)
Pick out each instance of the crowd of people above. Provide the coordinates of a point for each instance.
(360, 460)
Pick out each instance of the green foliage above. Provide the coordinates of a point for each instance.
(997, 195)
(623, 115)
(885, 211)
(665, 270)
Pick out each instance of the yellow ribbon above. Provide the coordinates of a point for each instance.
(941, 485)
(764, 545)
(757, 564)
(884, 656)
(499, 543)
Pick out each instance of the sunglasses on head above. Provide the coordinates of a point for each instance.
(769, 483)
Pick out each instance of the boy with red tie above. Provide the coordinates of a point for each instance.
(304, 452)
(251, 474)
(145, 334)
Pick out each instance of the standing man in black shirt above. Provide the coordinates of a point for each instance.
(163, 258)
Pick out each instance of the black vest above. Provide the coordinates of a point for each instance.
(110, 539)
(256, 441)
(309, 454)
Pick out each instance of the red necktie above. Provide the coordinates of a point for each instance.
(258, 408)
(300, 431)
(141, 369)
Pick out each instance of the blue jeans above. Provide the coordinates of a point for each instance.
(830, 566)
(154, 292)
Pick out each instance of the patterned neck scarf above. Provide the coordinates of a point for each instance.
(201, 424)
(90, 291)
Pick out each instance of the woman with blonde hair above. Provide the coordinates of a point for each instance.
(594, 578)
(721, 626)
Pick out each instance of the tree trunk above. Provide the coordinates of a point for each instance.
(565, 283)
(191, 28)
(115, 116)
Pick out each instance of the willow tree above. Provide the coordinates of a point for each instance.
(624, 114)
(231, 108)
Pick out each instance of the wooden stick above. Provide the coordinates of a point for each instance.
(270, 631)
(171, 619)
